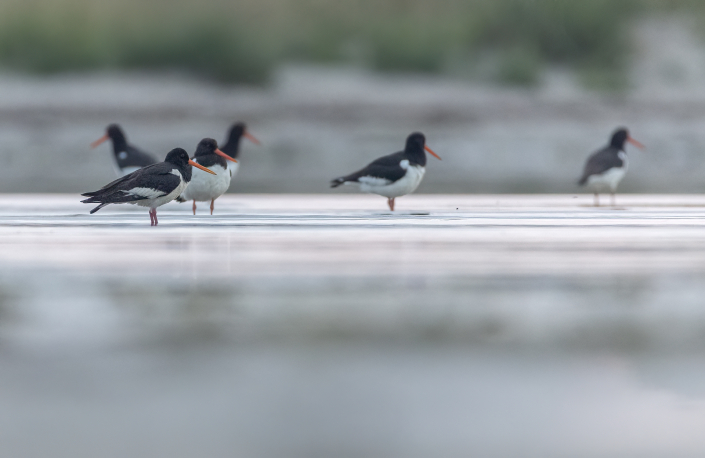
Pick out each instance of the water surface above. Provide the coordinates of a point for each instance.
(308, 325)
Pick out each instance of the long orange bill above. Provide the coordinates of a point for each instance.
(636, 143)
(100, 140)
(220, 153)
(251, 138)
(199, 166)
(430, 151)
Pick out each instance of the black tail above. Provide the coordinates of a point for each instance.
(93, 199)
(99, 207)
(337, 182)
(180, 199)
(583, 180)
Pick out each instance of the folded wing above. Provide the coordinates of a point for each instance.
(151, 182)
(383, 171)
(599, 163)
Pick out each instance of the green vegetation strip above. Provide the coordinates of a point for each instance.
(244, 40)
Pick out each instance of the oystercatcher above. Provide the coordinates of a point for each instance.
(204, 187)
(232, 145)
(394, 175)
(127, 157)
(151, 186)
(606, 168)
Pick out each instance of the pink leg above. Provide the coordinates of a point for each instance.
(212, 204)
(390, 202)
(194, 207)
(156, 221)
(151, 217)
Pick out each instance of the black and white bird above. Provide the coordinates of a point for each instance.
(151, 186)
(232, 145)
(128, 158)
(606, 168)
(394, 175)
(208, 187)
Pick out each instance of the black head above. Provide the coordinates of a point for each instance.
(414, 149)
(415, 142)
(178, 157)
(206, 147)
(115, 133)
(619, 138)
(236, 132)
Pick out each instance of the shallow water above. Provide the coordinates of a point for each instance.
(327, 326)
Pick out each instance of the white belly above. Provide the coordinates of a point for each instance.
(233, 167)
(608, 181)
(401, 187)
(205, 187)
(159, 201)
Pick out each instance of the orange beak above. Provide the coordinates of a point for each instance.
(251, 138)
(220, 153)
(430, 151)
(636, 143)
(100, 140)
(199, 166)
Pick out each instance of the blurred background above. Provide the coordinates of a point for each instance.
(514, 94)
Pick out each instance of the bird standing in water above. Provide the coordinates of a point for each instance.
(151, 186)
(206, 187)
(394, 175)
(606, 168)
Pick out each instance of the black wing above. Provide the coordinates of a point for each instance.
(386, 167)
(600, 162)
(148, 183)
(134, 158)
(153, 168)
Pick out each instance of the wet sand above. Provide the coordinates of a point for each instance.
(325, 325)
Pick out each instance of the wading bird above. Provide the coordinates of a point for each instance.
(606, 168)
(394, 175)
(151, 186)
(206, 187)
